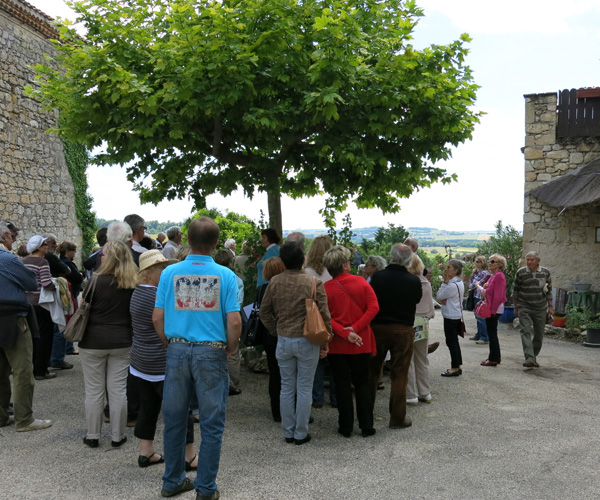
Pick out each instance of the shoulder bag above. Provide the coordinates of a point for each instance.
(315, 330)
(78, 323)
(463, 328)
(254, 331)
(483, 309)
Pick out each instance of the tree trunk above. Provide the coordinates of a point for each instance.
(274, 202)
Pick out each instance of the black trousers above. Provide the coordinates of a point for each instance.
(451, 331)
(42, 347)
(151, 395)
(492, 328)
(349, 370)
(270, 345)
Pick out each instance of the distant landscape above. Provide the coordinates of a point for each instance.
(431, 239)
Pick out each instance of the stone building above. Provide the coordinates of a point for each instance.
(567, 238)
(37, 190)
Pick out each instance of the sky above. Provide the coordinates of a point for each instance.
(517, 48)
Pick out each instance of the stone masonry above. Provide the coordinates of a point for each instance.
(566, 242)
(37, 190)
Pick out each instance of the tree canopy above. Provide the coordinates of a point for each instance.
(196, 97)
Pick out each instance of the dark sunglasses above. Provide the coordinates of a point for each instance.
(493, 261)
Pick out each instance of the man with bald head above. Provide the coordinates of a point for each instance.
(398, 292)
(197, 317)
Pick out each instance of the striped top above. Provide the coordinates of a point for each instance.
(148, 356)
(41, 268)
(533, 289)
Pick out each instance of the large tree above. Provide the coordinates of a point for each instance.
(284, 96)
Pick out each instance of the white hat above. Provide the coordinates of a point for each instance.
(35, 242)
(152, 258)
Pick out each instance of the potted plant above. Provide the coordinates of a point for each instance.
(593, 331)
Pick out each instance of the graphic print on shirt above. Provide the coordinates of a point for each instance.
(197, 293)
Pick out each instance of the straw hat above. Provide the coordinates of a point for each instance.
(154, 258)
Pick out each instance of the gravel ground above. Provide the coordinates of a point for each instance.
(494, 433)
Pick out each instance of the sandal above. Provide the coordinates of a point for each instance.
(147, 461)
(188, 465)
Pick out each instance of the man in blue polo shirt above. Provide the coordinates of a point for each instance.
(197, 316)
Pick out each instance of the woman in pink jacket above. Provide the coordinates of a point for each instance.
(495, 296)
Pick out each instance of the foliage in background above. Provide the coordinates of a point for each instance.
(342, 237)
(78, 158)
(195, 97)
(507, 242)
(383, 240)
(232, 225)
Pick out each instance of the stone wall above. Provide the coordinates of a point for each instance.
(566, 241)
(37, 190)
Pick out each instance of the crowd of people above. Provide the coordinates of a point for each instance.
(165, 321)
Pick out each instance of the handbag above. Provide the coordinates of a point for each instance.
(463, 328)
(470, 302)
(78, 323)
(254, 331)
(315, 330)
(483, 310)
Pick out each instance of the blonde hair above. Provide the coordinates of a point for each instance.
(182, 252)
(416, 265)
(314, 256)
(483, 260)
(119, 262)
(501, 260)
(335, 258)
(272, 267)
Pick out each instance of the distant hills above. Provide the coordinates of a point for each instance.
(427, 236)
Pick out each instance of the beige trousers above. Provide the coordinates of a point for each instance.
(418, 373)
(105, 371)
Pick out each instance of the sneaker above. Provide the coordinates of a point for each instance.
(426, 399)
(482, 342)
(61, 366)
(474, 338)
(412, 401)
(214, 496)
(187, 485)
(36, 425)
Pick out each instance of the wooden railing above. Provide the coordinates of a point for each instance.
(578, 113)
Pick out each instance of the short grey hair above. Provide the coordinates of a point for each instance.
(457, 264)
(298, 237)
(135, 221)
(119, 231)
(50, 236)
(173, 232)
(401, 255)
(533, 253)
(229, 243)
(377, 261)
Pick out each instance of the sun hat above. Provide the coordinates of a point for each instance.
(152, 258)
(35, 242)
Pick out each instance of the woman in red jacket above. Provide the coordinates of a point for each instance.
(353, 305)
(495, 296)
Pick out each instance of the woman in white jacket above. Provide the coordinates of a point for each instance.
(418, 373)
(450, 296)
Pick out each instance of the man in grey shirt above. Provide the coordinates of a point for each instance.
(170, 248)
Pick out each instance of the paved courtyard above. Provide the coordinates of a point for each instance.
(494, 433)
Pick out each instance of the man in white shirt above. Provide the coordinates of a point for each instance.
(170, 248)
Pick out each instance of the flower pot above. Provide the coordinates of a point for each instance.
(559, 321)
(508, 315)
(593, 337)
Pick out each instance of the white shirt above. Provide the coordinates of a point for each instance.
(138, 248)
(453, 293)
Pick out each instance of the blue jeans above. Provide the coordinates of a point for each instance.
(200, 369)
(59, 347)
(481, 328)
(298, 360)
(318, 391)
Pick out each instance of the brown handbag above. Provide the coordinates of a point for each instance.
(75, 329)
(315, 330)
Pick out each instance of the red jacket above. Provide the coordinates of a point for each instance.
(352, 302)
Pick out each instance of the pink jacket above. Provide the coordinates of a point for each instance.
(495, 293)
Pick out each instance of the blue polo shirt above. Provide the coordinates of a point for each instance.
(196, 295)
